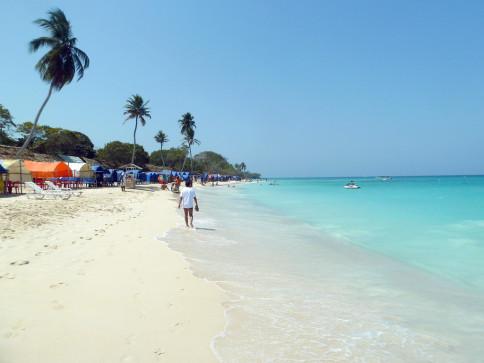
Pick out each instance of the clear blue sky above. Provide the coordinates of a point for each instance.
(309, 88)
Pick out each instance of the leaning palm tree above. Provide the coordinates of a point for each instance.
(136, 108)
(161, 138)
(62, 61)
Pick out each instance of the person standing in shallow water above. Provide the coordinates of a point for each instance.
(187, 197)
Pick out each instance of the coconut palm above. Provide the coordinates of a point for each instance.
(187, 123)
(190, 140)
(187, 129)
(136, 108)
(161, 138)
(62, 61)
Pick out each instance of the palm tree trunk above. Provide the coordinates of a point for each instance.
(134, 140)
(34, 126)
(161, 155)
(191, 159)
(184, 160)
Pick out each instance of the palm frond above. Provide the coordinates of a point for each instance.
(40, 42)
(61, 63)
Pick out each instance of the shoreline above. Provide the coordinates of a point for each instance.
(99, 285)
(269, 277)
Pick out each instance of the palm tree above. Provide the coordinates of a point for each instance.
(61, 63)
(190, 140)
(161, 138)
(187, 124)
(187, 144)
(243, 167)
(136, 108)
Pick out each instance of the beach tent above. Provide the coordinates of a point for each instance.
(81, 170)
(130, 167)
(17, 171)
(71, 159)
(47, 170)
(99, 169)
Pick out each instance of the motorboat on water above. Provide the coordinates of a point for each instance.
(351, 185)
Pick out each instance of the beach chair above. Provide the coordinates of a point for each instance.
(52, 186)
(39, 193)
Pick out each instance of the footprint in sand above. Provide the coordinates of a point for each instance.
(57, 305)
(15, 330)
(20, 263)
(7, 275)
(57, 284)
(159, 352)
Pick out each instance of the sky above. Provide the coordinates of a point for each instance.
(292, 88)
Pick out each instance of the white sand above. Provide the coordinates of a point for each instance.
(98, 285)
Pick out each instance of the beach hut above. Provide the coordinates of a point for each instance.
(71, 159)
(3, 179)
(81, 170)
(45, 170)
(17, 171)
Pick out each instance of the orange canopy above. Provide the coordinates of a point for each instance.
(47, 170)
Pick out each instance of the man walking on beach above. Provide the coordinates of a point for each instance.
(187, 197)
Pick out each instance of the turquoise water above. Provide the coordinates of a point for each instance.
(391, 272)
(436, 223)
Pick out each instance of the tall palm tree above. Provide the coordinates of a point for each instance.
(187, 129)
(187, 143)
(136, 108)
(161, 138)
(62, 61)
(190, 140)
(187, 123)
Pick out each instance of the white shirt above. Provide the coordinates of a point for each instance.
(187, 195)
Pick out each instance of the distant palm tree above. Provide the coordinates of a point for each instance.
(161, 138)
(136, 109)
(190, 140)
(187, 129)
(243, 167)
(61, 63)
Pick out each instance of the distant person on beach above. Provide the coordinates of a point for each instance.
(187, 197)
(122, 183)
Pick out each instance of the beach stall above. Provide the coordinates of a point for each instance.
(71, 159)
(17, 171)
(81, 170)
(3, 179)
(99, 172)
(46, 170)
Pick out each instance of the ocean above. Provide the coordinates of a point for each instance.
(391, 272)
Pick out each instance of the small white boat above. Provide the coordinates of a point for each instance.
(385, 178)
(352, 185)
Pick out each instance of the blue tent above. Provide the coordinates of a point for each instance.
(99, 169)
(3, 170)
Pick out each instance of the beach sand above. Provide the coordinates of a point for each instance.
(87, 280)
